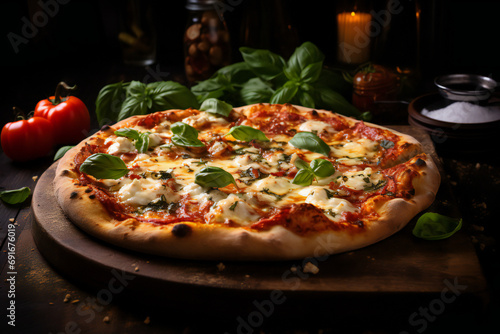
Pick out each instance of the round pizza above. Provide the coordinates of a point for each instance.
(259, 182)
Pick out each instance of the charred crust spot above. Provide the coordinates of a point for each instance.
(314, 113)
(88, 190)
(65, 172)
(420, 162)
(359, 223)
(73, 195)
(181, 230)
(92, 196)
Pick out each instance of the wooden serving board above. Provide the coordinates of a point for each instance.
(399, 269)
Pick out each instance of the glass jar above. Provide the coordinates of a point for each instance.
(206, 40)
(375, 83)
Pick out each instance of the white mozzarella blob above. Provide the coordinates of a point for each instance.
(360, 180)
(119, 145)
(143, 191)
(276, 185)
(203, 119)
(234, 209)
(316, 127)
(360, 148)
(321, 198)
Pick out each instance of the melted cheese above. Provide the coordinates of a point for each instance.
(143, 191)
(119, 145)
(360, 180)
(317, 127)
(322, 198)
(234, 209)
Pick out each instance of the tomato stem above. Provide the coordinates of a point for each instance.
(18, 113)
(59, 89)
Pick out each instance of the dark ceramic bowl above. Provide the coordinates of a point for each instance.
(452, 136)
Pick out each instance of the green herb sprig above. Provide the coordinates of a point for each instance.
(318, 168)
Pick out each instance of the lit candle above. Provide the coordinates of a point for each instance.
(353, 37)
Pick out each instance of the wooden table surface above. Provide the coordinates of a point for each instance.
(47, 301)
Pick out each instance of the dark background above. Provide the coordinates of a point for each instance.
(455, 36)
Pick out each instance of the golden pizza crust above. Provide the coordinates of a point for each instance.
(190, 240)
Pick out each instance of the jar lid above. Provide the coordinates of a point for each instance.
(200, 4)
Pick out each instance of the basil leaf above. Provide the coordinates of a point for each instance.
(309, 141)
(186, 142)
(286, 93)
(302, 57)
(170, 95)
(211, 177)
(142, 143)
(104, 166)
(256, 91)
(15, 196)
(332, 100)
(62, 151)
(184, 130)
(322, 168)
(306, 99)
(246, 133)
(266, 64)
(185, 135)
(312, 72)
(304, 177)
(134, 105)
(301, 164)
(127, 132)
(387, 144)
(215, 106)
(214, 87)
(109, 102)
(434, 226)
(237, 73)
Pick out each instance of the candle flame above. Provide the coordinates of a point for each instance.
(353, 13)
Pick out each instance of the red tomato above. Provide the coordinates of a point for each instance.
(69, 117)
(27, 139)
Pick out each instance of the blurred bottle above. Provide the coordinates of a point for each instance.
(137, 33)
(206, 40)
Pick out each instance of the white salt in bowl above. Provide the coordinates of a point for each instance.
(457, 133)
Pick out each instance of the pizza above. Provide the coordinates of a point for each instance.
(261, 182)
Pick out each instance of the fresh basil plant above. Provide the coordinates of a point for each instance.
(121, 100)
